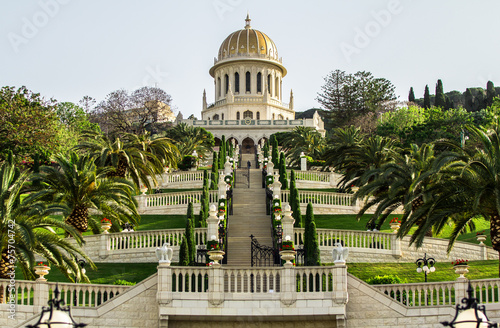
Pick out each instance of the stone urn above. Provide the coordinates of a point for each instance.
(288, 256)
(481, 239)
(461, 269)
(216, 256)
(105, 226)
(395, 226)
(41, 270)
(143, 190)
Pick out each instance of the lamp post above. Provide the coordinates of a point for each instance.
(57, 315)
(470, 315)
(426, 265)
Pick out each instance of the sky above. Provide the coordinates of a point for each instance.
(67, 49)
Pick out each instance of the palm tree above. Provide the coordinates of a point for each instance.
(405, 181)
(137, 157)
(468, 188)
(25, 233)
(189, 138)
(78, 186)
(303, 140)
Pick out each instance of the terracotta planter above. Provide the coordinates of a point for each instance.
(42, 271)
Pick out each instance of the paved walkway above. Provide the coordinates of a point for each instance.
(249, 216)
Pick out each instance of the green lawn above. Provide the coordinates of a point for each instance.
(158, 222)
(407, 271)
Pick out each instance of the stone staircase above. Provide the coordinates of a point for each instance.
(249, 217)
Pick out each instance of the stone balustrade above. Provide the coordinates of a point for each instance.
(173, 203)
(182, 179)
(152, 238)
(38, 293)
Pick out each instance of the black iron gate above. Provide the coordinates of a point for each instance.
(264, 256)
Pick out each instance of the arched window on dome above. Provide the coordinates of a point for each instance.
(247, 114)
(247, 80)
(216, 117)
(280, 117)
(269, 83)
(218, 86)
(259, 82)
(237, 115)
(258, 115)
(226, 83)
(236, 82)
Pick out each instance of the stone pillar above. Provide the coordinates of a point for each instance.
(212, 223)
(215, 286)
(461, 285)
(484, 252)
(222, 187)
(103, 245)
(333, 178)
(288, 286)
(339, 273)
(396, 247)
(228, 167)
(141, 202)
(164, 292)
(287, 222)
(276, 187)
(303, 162)
(40, 296)
(270, 168)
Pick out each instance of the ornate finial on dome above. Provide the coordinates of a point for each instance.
(247, 21)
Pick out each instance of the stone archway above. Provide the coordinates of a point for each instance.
(248, 146)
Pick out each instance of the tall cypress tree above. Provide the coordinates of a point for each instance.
(36, 170)
(215, 172)
(222, 152)
(411, 95)
(490, 93)
(265, 149)
(184, 252)
(440, 100)
(311, 238)
(295, 202)
(427, 98)
(191, 244)
(282, 172)
(274, 154)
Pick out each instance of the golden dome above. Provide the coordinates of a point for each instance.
(248, 43)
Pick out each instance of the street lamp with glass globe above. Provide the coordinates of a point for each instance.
(425, 265)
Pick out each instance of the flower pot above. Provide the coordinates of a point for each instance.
(144, 190)
(105, 227)
(481, 239)
(461, 269)
(216, 256)
(395, 227)
(288, 256)
(42, 271)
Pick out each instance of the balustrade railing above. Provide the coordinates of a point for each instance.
(421, 294)
(311, 176)
(255, 280)
(486, 290)
(20, 293)
(82, 295)
(314, 279)
(190, 280)
(152, 238)
(321, 198)
(178, 198)
(349, 238)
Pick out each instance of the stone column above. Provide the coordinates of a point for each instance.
(164, 292)
(339, 273)
(288, 286)
(212, 223)
(276, 187)
(40, 296)
(270, 168)
(141, 202)
(287, 222)
(461, 285)
(103, 245)
(396, 247)
(333, 178)
(484, 252)
(215, 286)
(303, 162)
